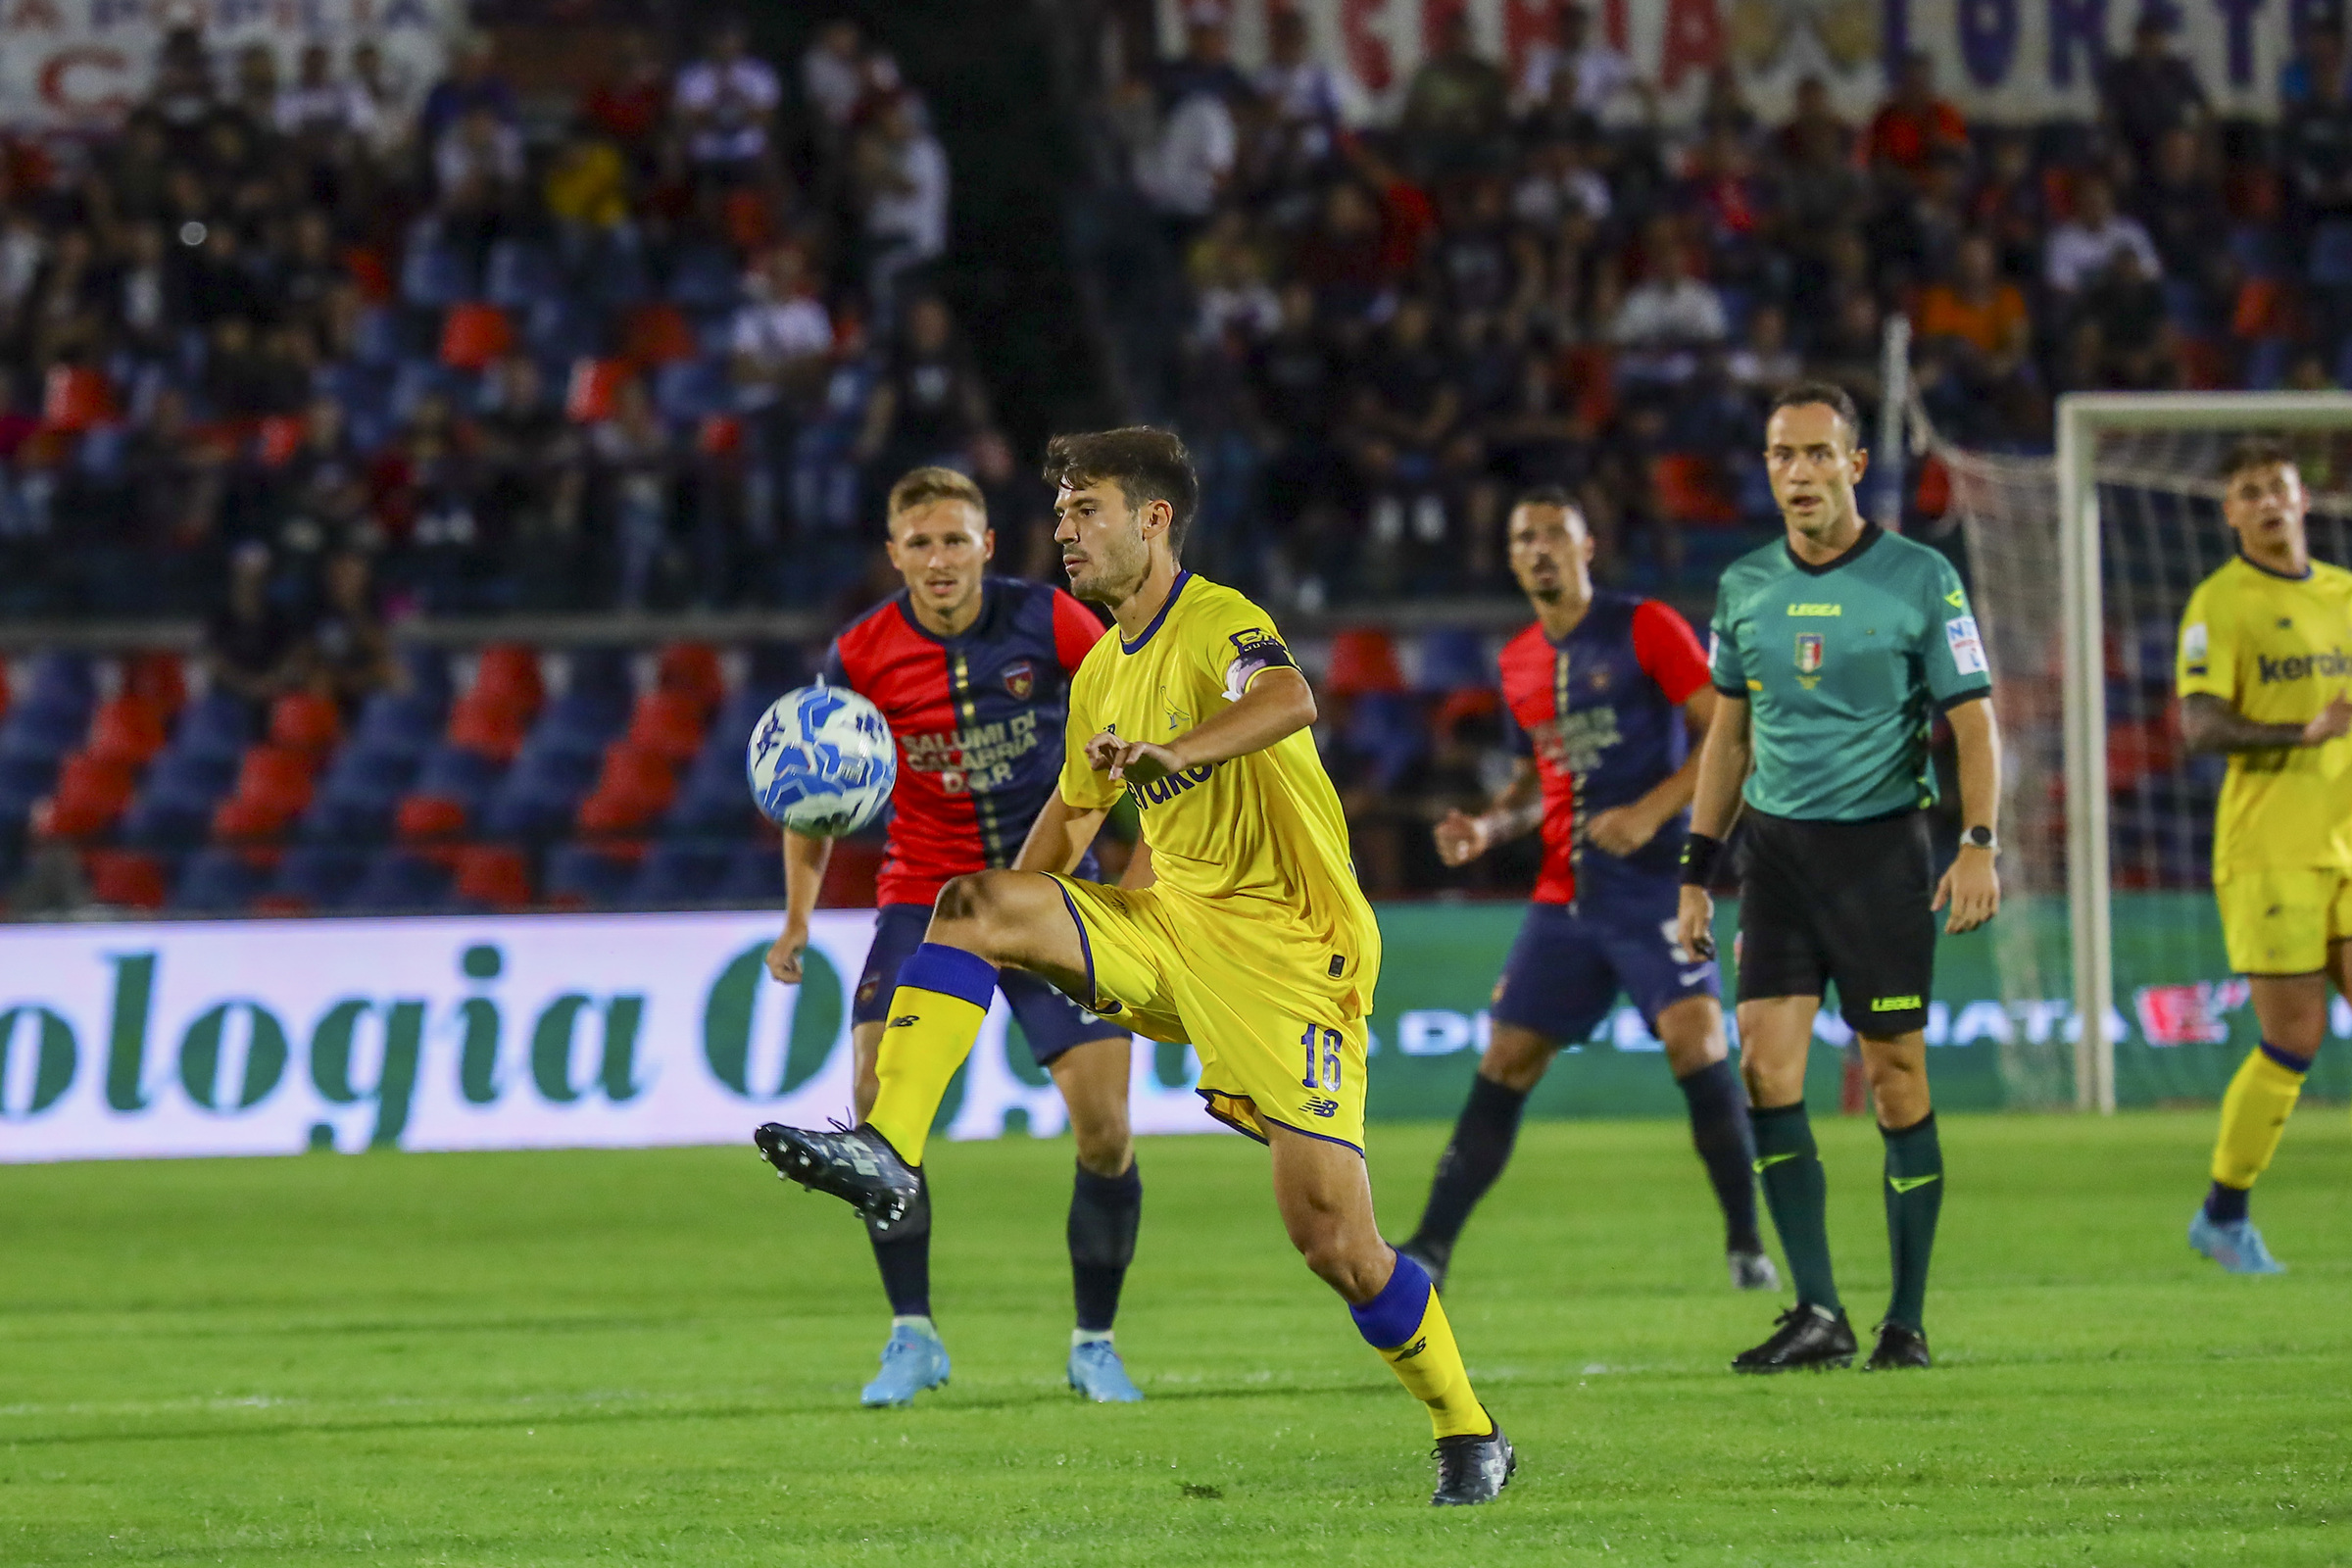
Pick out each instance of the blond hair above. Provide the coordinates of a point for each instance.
(920, 487)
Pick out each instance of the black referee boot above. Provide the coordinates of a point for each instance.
(1899, 1348)
(1808, 1336)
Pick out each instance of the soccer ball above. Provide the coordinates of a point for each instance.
(821, 761)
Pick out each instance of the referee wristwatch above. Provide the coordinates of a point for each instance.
(1981, 837)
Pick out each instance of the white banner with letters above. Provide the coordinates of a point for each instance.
(2005, 60)
(271, 1037)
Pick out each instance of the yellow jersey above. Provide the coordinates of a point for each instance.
(2275, 649)
(1262, 834)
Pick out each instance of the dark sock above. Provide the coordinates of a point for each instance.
(1797, 1194)
(1103, 1213)
(2225, 1205)
(1914, 1197)
(1719, 1128)
(1479, 1150)
(903, 1253)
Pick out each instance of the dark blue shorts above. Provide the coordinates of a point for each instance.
(1050, 1022)
(1571, 961)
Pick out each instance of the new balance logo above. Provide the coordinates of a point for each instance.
(1326, 1108)
(1413, 1349)
(906, 1018)
(1910, 1184)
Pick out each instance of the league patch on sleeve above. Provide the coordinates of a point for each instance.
(2192, 648)
(1968, 650)
(1254, 651)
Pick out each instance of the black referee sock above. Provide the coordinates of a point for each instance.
(1105, 1212)
(1797, 1194)
(1727, 1147)
(1914, 1200)
(1479, 1150)
(904, 1253)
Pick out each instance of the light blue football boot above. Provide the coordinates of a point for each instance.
(2237, 1246)
(913, 1361)
(1097, 1372)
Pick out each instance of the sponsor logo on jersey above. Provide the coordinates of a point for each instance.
(1956, 598)
(1168, 786)
(905, 1020)
(1816, 610)
(1968, 648)
(2334, 665)
(1809, 655)
(1893, 1003)
(1020, 679)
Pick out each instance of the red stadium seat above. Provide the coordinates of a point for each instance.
(474, 336)
(595, 389)
(656, 334)
(635, 787)
(427, 819)
(76, 398)
(305, 721)
(273, 789)
(493, 874)
(487, 723)
(669, 724)
(277, 438)
(128, 729)
(91, 792)
(125, 878)
(246, 819)
(693, 669)
(1363, 659)
(1688, 487)
(510, 671)
(157, 676)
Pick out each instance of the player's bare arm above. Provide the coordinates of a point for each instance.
(2210, 724)
(1059, 838)
(1517, 809)
(1723, 763)
(1278, 704)
(1624, 829)
(1972, 884)
(805, 862)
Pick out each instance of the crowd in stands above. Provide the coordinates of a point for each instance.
(637, 349)
(1375, 336)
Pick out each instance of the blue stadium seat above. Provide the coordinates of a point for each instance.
(1454, 658)
(324, 876)
(360, 791)
(427, 669)
(216, 725)
(432, 276)
(740, 712)
(399, 881)
(578, 873)
(218, 881)
(559, 329)
(754, 874)
(174, 807)
(520, 274)
(605, 669)
(540, 793)
(704, 278)
(715, 801)
(1388, 728)
(459, 774)
(404, 723)
(690, 391)
(680, 872)
(579, 724)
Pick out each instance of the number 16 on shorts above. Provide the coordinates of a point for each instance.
(1330, 1043)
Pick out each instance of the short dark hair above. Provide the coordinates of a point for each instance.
(2253, 451)
(1825, 394)
(1146, 463)
(1551, 495)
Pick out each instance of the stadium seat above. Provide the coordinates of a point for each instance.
(24, 777)
(273, 788)
(520, 274)
(1363, 659)
(704, 278)
(693, 669)
(432, 276)
(492, 876)
(359, 792)
(91, 793)
(655, 334)
(669, 724)
(128, 729)
(305, 722)
(593, 391)
(680, 872)
(405, 723)
(740, 712)
(510, 671)
(76, 398)
(580, 876)
(1387, 727)
(474, 336)
(1454, 658)
(716, 801)
(219, 881)
(488, 724)
(460, 773)
(217, 725)
(633, 790)
(691, 390)
(155, 675)
(425, 817)
(319, 876)
(177, 799)
(400, 881)
(127, 878)
(426, 669)
(754, 874)
(540, 794)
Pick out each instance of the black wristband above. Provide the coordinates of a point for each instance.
(1699, 855)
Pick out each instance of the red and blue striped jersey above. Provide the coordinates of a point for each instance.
(978, 718)
(1600, 712)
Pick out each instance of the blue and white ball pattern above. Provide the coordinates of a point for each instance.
(821, 761)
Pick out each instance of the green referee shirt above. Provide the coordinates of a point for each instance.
(1843, 667)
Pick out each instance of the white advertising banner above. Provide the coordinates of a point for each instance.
(67, 65)
(272, 1036)
(2006, 59)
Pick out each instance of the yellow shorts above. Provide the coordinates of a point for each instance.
(2281, 921)
(1276, 1014)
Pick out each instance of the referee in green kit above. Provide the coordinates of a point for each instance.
(1832, 651)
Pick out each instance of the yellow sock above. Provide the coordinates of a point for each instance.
(1407, 1326)
(2254, 1113)
(935, 1015)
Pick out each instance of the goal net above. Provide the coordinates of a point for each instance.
(2107, 821)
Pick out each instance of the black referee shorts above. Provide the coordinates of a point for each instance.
(1843, 903)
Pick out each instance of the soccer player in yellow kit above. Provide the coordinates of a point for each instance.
(2265, 664)
(1254, 943)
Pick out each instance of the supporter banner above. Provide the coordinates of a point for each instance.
(69, 65)
(273, 1037)
(2000, 59)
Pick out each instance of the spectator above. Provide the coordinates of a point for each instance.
(1560, 180)
(1459, 103)
(1914, 126)
(2007, 204)
(1590, 81)
(2180, 203)
(352, 655)
(1765, 363)
(723, 104)
(2319, 59)
(633, 473)
(928, 405)
(1974, 342)
(1670, 309)
(1205, 69)
(2126, 301)
(2151, 91)
(833, 77)
(1303, 92)
(2314, 151)
(781, 337)
(2087, 243)
(628, 107)
(1345, 258)
(587, 185)
(472, 84)
(1229, 279)
(317, 107)
(1187, 164)
(901, 177)
(251, 648)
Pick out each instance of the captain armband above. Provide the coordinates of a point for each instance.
(1701, 854)
(1254, 652)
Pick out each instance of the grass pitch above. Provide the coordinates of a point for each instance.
(652, 1357)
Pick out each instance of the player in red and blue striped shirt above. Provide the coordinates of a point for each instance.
(972, 671)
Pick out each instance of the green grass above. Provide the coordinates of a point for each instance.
(654, 1358)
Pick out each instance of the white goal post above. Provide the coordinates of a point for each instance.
(2084, 419)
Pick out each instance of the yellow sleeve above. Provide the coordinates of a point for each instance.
(2207, 665)
(1080, 786)
(1231, 642)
